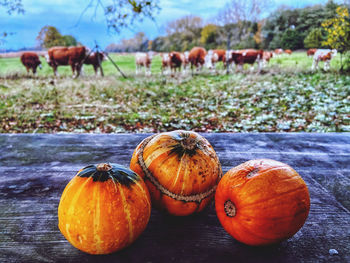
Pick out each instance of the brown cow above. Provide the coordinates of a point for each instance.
(175, 60)
(95, 59)
(215, 56)
(197, 57)
(278, 51)
(267, 55)
(31, 61)
(288, 51)
(63, 56)
(249, 56)
(311, 52)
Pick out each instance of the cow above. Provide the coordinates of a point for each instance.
(267, 55)
(31, 61)
(288, 51)
(165, 63)
(247, 56)
(175, 60)
(197, 57)
(95, 59)
(64, 56)
(228, 58)
(324, 55)
(185, 60)
(143, 60)
(215, 56)
(311, 52)
(278, 51)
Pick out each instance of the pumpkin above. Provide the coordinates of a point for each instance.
(104, 208)
(262, 202)
(180, 169)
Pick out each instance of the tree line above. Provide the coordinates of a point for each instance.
(239, 26)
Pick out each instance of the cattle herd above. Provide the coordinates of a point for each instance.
(172, 62)
(75, 57)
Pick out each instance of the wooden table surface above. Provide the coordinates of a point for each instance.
(34, 169)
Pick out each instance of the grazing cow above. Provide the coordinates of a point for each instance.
(95, 59)
(175, 60)
(215, 56)
(197, 57)
(288, 51)
(278, 51)
(267, 55)
(31, 61)
(324, 55)
(143, 60)
(185, 61)
(165, 63)
(64, 56)
(311, 52)
(249, 56)
(228, 58)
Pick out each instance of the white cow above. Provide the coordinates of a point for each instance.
(325, 55)
(143, 60)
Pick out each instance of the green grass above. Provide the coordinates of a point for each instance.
(285, 97)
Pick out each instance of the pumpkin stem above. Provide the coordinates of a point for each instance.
(253, 172)
(230, 208)
(103, 167)
(189, 144)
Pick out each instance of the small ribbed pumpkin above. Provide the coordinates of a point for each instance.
(180, 169)
(104, 208)
(262, 202)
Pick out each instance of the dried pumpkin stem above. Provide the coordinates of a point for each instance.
(230, 208)
(189, 144)
(103, 167)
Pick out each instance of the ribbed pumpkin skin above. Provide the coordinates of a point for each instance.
(271, 202)
(103, 217)
(180, 169)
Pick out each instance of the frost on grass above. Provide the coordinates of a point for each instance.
(237, 103)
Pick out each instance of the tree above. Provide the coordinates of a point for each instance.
(209, 35)
(184, 24)
(137, 43)
(291, 39)
(303, 20)
(69, 40)
(314, 39)
(121, 14)
(12, 6)
(338, 29)
(183, 33)
(49, 36)
(239, 12)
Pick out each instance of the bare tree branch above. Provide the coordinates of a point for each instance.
(12, 6)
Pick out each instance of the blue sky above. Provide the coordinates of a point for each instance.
(64, 15)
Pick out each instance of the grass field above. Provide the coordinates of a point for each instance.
(286, 96)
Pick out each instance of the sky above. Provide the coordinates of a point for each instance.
(65, 15)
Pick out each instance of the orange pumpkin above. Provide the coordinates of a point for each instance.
(262, 202)
(104, 208)
(181, 170)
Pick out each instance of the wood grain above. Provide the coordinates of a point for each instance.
(34, 170)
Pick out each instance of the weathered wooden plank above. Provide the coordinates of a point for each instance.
(35, 169)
